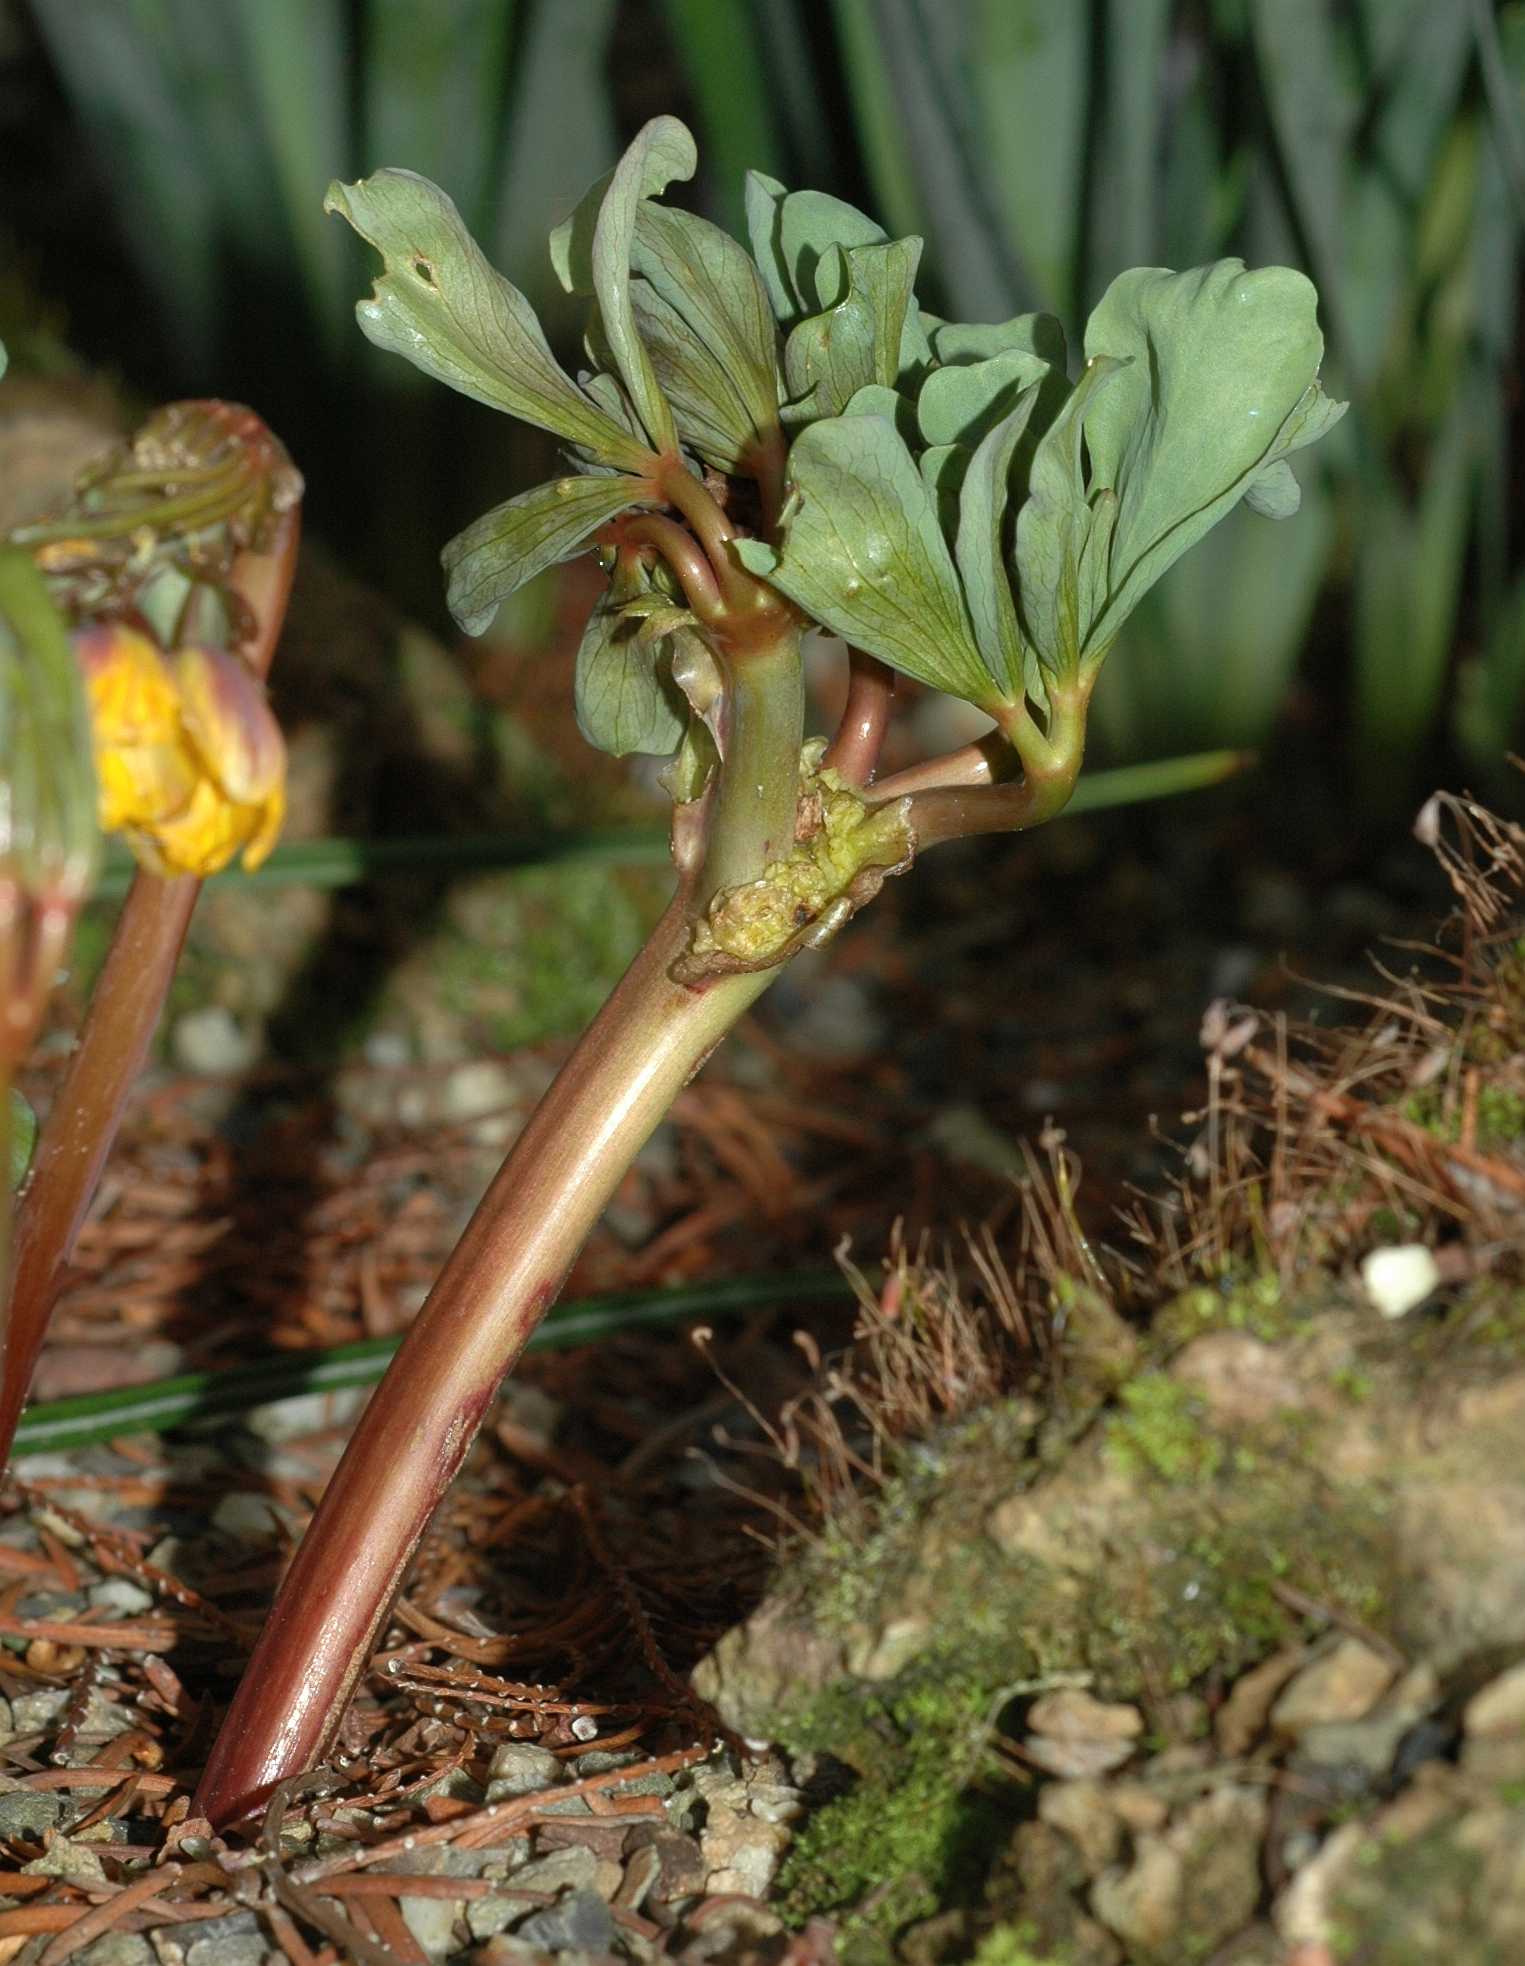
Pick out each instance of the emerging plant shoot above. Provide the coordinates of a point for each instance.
(763, 442)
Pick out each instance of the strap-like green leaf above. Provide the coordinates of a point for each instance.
(865, 556)
(22, 1134)
(624, 701)
(439, 303)
(662, 150)
(511, 544)
(1220, 383)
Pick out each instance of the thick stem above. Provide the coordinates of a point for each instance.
(854, 751)
(640, 1051)
(758, 792)
(646, 1043)
(119, 1026)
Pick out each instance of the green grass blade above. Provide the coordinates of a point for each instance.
(297, 69)
(58, 1426)
(722, 54)
(351, 862)
(435, 80)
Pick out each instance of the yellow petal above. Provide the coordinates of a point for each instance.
(223, 709)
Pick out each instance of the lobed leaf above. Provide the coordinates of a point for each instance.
(1220, 384)
(857, 341)
(442, 305)
(959, 405)
(503, 549)
(863, 553)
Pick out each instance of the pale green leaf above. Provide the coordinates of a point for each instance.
(764, 197)
(857, 340)
(1054, 526)
(979, 546)
(662, 150)
(955, 343)
(711, 414)
(959, 405)
(506, 547)
(624, 701)
(874, 399)
(439, 303)
(864, 555)
(809, 225)
(1219, 381)
(702, 273)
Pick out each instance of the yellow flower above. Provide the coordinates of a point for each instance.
(190, 762)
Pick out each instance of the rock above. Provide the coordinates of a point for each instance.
(28, 1812)
(521, 1768)
(1240, 1381)
(35, 1713)
(1072, 1734)
(237, 1940)
(487, 1916)
(884, 1654)
(483, 1091)
(123, 1595)
(1083, 1810)
(76, 1863)
(117, 1949)
(579, 1923)
(1218, 1841)
(741, 1851)
(770, 1663)
(1342, 1684)
(1398, 1279)
(211, 1043)
(1138, 1806)
(432, 1921)
(573, 1867)
(247, 1518)
(1035, 1886)
(1142, 1904)
(1499, 1709)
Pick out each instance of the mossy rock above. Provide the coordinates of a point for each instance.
(1235, 1493)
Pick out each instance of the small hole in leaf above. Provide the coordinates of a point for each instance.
(424, 271)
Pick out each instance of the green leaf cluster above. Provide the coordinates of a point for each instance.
(956, 505)
(987, 527)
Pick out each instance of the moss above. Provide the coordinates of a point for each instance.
(1253, 1303)
(1159, 1432)
(534, 955)
(911, 1820)
(1407, 1901)
(1498, 1116)
(1012, 1945)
